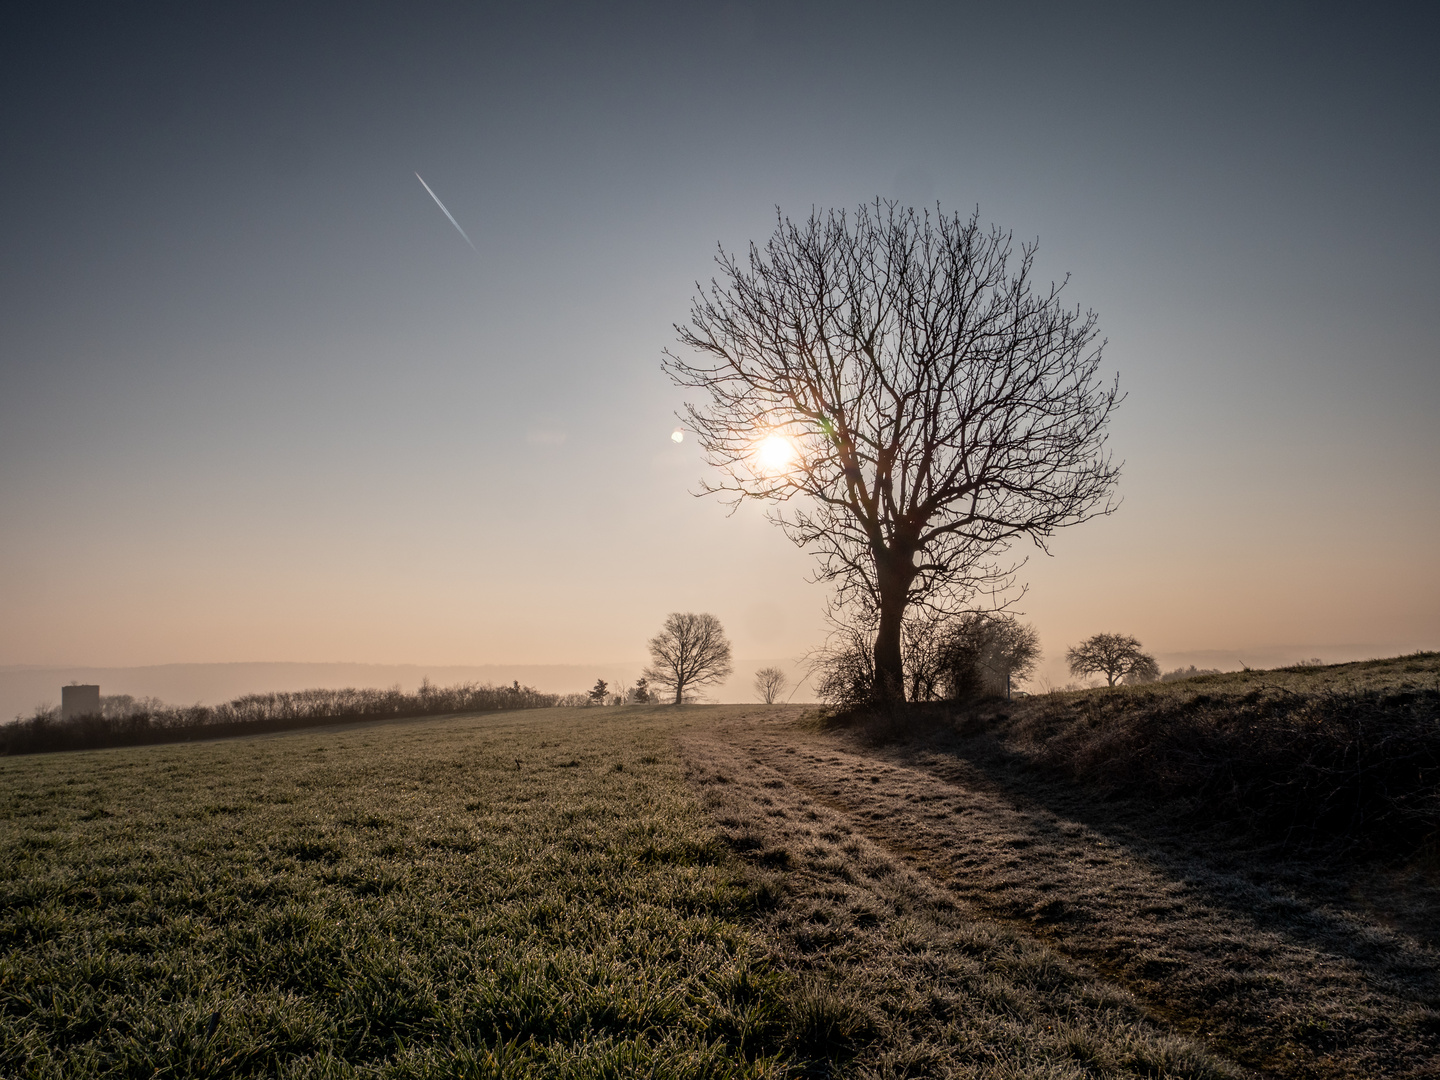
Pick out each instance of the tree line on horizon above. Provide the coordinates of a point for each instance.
(691, 651)
(958, 659)
(124, 720)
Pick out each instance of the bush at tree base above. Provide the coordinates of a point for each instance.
(958, 658)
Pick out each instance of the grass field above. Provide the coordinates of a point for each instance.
(649, 891)
(1253, 854)
(513, 895)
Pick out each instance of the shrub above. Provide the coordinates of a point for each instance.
(1187, 673)
(954, 658)
(983, 653)
(844, 669)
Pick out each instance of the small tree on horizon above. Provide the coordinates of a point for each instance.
(770, 683)
(691, 650)
(599, 692)
(1116, 656)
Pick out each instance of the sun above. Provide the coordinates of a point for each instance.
(775, 453)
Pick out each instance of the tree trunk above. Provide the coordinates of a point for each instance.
(893, 575)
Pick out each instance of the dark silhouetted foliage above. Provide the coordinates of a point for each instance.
(150, 721)
(961, 658)
(981, 654)
(1187, 673)
(844, 668)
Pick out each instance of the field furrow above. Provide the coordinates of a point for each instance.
(1289, 988)
(914, 981)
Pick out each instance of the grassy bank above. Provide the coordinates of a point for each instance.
(525, 894)
(1252, 854)
(1344, 758)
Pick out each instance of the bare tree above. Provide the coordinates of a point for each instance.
(690, 650)
(1116, 656)
(770, 683)
(897, 376)
(986, 653)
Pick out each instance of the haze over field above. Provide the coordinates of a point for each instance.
(260, 402)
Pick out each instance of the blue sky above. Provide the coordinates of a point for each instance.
(260, 401)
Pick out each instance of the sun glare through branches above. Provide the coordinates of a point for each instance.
(774, 454)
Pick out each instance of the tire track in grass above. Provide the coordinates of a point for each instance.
(1270, 999)
(903, 981)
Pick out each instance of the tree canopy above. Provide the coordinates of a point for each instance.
(770, 683)
(1116, 656)
(910, 403)
(691, 650)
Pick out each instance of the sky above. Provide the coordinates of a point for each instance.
(260, 402)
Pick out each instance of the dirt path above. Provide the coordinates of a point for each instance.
(1286, 988)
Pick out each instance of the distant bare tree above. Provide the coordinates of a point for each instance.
(770, 683)
(690, 650)
(1115, 656)
(899, 376)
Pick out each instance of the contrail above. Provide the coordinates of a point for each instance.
(446, 212)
